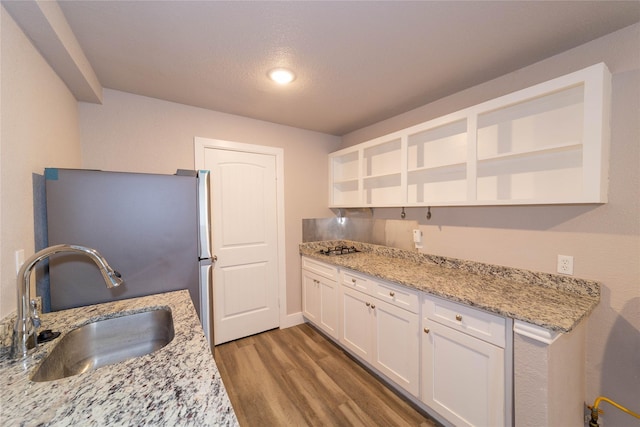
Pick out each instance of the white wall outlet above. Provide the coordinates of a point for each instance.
(565, 264)
(19, 259)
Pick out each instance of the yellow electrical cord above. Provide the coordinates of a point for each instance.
(594, 409)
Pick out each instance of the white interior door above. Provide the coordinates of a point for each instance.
(244, 218)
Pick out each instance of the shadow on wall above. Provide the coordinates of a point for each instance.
(529, 217)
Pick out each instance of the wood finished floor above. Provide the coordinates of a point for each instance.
(297, 377)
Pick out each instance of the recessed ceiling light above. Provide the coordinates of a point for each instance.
(282, 76)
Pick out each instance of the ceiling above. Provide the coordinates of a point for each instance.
(356, 62)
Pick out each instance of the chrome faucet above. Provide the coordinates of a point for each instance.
(24, 332)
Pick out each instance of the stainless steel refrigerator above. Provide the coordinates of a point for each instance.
(153, 229)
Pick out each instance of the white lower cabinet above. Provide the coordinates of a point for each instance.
(320, 296)
(465, 369)
(452, 359)
(384, 335)
(357, 325)
(397, 345)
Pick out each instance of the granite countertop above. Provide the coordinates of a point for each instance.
(177, 385)
(554, 302)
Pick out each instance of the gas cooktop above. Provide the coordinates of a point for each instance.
(339, 250)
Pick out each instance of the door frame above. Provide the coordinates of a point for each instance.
(201, 144)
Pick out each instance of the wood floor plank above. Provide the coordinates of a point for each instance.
(275, 355)
(382, 405)
(297, 377)
(267, 404)
(317, 411)
(295, 340)
(306, 372)
(355, 415)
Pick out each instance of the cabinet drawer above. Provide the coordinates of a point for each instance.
(399, 296)
(324, 270)
(357, 281)
(477, 323)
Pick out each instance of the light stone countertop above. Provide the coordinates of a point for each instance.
(177, 385)
(554, 302)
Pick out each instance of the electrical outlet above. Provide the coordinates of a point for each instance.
(565, 264)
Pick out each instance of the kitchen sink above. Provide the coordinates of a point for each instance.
(106, 342)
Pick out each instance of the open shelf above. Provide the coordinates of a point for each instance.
(571, 146)
(345, 183)
(547, 176)
(437, 168)
(440, 146)
(383, 190)
(543, 122)
(345, 167)
(435, 186)
(548, 143)
(382, 177)
(382, 159)
(346, 193)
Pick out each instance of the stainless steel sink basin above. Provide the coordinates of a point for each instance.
(106, 342)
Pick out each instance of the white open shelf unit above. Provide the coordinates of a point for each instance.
(547, 144)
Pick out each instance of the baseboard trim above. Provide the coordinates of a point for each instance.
(290, 320)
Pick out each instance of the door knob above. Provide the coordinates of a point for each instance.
(458, 317)
(214, 258)
(426, 330)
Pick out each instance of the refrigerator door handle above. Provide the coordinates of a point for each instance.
(205, 302)
(203, 215)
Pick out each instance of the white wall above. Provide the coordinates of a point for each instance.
(138, 134)
(604, 239)
(39, 129)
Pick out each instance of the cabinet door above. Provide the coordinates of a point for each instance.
(463, 377)
(311, 297)
(396, 345)
(328, 295)
(356, 332)
(320, 302)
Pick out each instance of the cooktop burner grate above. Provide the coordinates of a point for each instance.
(339, 250)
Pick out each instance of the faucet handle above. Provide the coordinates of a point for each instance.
(35, 316)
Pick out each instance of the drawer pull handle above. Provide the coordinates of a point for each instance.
(426, 330)
(354, 281)
(458, 318)
(373, 306)
(392, 294)
(368, 304)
